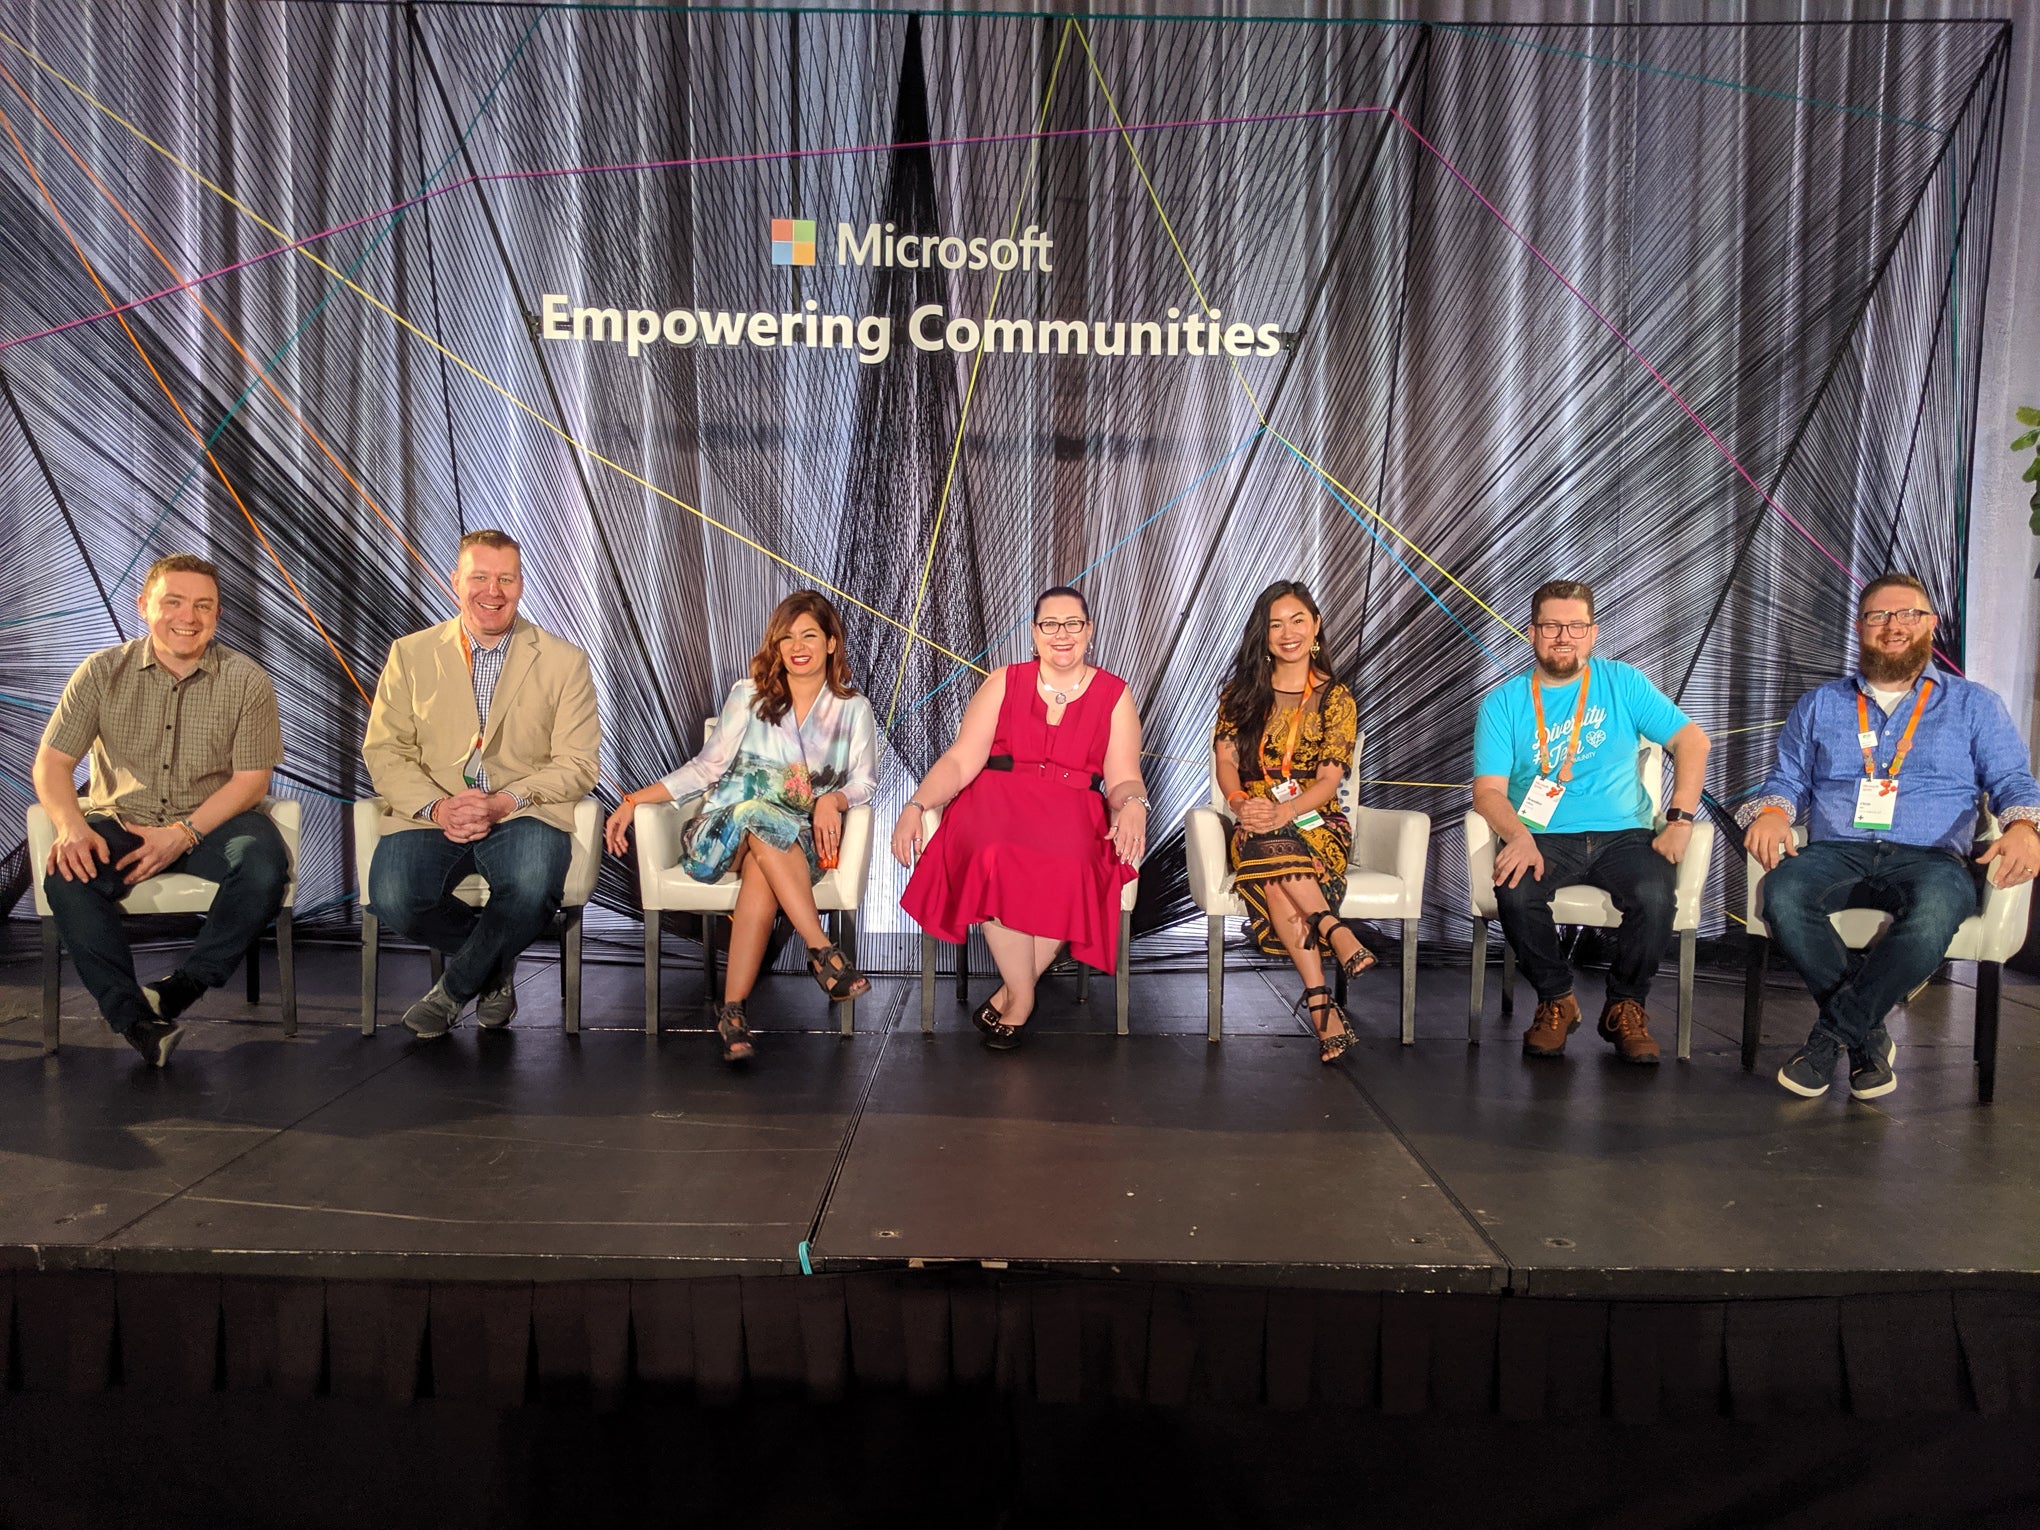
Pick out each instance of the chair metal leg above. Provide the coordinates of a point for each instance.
(1987, 980)
(1687, 939)
(52, 983)
(1409, 982)
(963, 971)
(1338, 981)
(436, 959)
(1479, 994)
(255, 971)
(1753, 1000)
(927, 984)
(371, 962)
(286, 971)
(1508, 978)
(1123, 978)
(1214, 980)
(711, 963)
(652, 918)
(1083, 981)
(844, 932)
(570, 970)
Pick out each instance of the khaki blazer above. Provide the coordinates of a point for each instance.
(543, 742)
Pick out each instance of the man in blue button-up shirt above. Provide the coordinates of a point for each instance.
(1888, 765)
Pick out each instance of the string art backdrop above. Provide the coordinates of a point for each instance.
(1691, 312)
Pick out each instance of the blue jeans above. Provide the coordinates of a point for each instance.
(1642, 884)
(1928, 894)
(245, 856)
(411, 882)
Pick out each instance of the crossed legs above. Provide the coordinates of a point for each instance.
(772, 882)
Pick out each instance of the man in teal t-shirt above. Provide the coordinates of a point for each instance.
(1554, 774)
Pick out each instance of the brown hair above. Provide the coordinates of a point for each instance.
(489, 536)
(179, 563)
(1892, 581)
(1562, 589)
(768, 675)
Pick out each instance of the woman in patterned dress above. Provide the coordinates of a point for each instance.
(1290, 845)
(794, 749)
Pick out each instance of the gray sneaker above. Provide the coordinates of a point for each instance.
(497, 1007)
(1812, 1067)
(434, 1015)
(1870, 1071)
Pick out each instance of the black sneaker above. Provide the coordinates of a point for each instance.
(1812, 1067)
(154, 1039)
(171, 996)
(1870, 1070)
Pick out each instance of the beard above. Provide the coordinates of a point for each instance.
(1888, 669)
(1562, 668)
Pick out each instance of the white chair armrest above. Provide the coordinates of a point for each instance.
(843, 888)
(368, 817)
(584, 862)
(1396, 841)
(288, 814)
(42, 835)
(2002, 921)
(1753, 902)
(658, 826)
(1692, 879)
(1204, 833)
(1480, 868)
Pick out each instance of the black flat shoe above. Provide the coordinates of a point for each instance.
(993, 1031)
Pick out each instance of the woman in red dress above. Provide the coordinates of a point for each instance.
(1045, 817)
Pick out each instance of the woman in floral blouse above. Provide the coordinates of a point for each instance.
(1292, 838)
(794, 749)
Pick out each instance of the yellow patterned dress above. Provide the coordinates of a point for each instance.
(1330, 721)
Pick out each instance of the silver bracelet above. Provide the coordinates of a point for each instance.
(921, 805)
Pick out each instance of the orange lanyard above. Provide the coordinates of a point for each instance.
(1579, 717)
(1295, 727)
(1905, 739)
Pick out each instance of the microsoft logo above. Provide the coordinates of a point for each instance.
(793, 241)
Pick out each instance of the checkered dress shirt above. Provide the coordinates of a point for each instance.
(488, 669)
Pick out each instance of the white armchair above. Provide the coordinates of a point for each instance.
(1988, 937)
(177, 892)
(663, 885)
(1384, 881)
(1578, 904)
(583, 863)
(1120, 979)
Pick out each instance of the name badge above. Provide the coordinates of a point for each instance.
(1540, 802)
(1867, 740)
(1308, 820)
(1286, 788)
(1876, 801)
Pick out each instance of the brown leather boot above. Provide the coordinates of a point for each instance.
(1556, 1019)
(1624, 1023)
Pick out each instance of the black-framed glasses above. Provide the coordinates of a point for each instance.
(1052, 627)
(1570, 629)
(1912, 616)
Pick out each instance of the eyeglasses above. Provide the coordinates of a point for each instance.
(1072, 625)
(1903, 618)
(1570, 629)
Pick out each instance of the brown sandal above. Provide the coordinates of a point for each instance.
(832, 969)
(734, 1033)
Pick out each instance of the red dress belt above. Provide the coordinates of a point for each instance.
(1082, 780)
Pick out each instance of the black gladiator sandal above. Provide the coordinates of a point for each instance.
(1331, 1046)
(832, 969)
(1323, 926)
(734, 1032)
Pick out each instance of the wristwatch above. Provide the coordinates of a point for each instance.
(1678, 815)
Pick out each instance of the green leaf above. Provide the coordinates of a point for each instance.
(2028, 415)
(2033, 520)
(2032, 472)
(2026, 440)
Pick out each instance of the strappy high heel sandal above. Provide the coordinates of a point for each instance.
(832, 969)
(993, 1031)
(1331, 1047)
(1324, 925)
(734, 1032)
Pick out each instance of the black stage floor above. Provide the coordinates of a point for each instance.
(1433, 1168)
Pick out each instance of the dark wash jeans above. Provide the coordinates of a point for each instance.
(1643, 885)
(411, 882)
(245, 855)
(1927, 891)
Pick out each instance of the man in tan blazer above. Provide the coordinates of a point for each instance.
(482, 738)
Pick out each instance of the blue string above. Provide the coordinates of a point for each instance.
(1339, 494)
(333, 290)
(961, 669)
